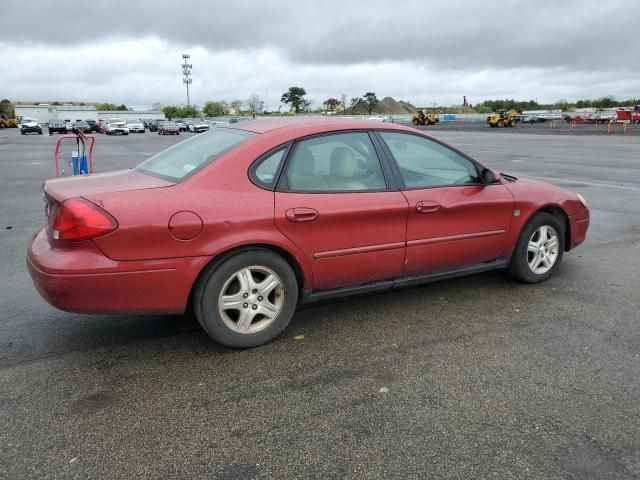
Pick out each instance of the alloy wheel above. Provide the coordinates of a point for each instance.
(542, 250)
(251, 299)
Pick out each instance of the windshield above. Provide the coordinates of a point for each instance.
(186, 158)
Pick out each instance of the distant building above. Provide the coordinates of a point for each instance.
(131, 114)
(75, 113)
(44, 112)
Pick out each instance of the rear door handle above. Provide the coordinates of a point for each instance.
(301, 214)
(426, 206)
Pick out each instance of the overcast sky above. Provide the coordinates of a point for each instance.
(420, 51)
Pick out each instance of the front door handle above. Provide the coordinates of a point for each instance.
(301, 214)
(425, 206)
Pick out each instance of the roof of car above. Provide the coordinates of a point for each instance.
(313, 125)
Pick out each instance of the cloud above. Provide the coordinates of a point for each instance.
(414, 50)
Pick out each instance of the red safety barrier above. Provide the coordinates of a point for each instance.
(80, 137)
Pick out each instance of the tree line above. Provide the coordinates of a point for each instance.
(605, 102)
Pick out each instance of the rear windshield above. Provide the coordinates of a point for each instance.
(186, 158)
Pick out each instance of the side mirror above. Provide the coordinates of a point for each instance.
(487, 177)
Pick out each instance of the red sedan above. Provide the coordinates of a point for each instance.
(246, 223)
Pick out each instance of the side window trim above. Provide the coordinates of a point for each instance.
(283, 186)
(254, 166)
(396, 169)
(388, 160)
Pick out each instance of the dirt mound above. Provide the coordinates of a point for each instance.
(390, 106)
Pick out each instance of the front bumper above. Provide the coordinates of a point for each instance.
(30, 129)
(80, 278)
(578, 226)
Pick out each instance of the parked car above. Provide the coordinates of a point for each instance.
(198, 126)
(181, 124)
(168, 128)
(152, 125)
(56, 126)
(217, 123)
(81, 126)
(69, 124)
(93, 125)
(245, 223)
(378, 118)
(116, 126)
(135, 126)
(30, 125)
(533, 119)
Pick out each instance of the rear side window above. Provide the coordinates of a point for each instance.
(345, 162)
(185, 158)
(424, 163)
(265, 171)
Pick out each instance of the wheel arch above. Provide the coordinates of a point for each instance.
(220, 257)
(562, 216)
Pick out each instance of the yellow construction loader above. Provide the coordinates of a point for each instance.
(503, 118)
(422, 117)
(8, 122)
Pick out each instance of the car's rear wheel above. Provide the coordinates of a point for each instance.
(247, 299)
(539, 249)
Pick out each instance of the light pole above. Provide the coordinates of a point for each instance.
(186, 73)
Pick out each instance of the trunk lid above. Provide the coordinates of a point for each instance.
(59, 189)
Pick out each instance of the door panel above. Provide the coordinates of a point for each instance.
(333, 202)
(453, 219)
(355, 238)
(469, 226)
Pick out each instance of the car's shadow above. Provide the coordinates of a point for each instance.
(70, 333)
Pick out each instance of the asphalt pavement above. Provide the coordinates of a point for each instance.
(479, 377)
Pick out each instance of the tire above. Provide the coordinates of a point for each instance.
(500, 124)
(223, 325)
(512, 124)
(520, 267)
(416, 122)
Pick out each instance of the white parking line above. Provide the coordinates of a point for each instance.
(583, 182)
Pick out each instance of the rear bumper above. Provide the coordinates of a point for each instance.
(578, 226)
(81, 279)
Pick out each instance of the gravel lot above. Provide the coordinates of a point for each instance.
(479, 377)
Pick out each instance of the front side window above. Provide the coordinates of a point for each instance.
(185, 158)
(345, 162)
(424, 163)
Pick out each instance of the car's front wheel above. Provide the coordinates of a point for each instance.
(247, 299)
(539, 249)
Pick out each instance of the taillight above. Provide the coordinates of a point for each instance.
(78, 219)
